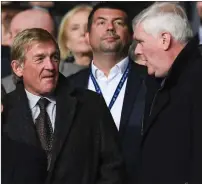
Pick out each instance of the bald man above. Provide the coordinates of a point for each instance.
(31, 18)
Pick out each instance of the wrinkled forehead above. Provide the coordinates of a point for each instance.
(35, 44)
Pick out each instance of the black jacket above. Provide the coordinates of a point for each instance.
(5, 61)
(132, 117)
(172, 143)
(85, 147)
(21, 163)
(200, 49)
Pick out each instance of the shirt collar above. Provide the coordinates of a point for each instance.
(120, 67)
(33, 99)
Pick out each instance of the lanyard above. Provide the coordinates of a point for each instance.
(118, 88)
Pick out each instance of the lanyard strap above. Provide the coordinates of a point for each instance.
(118, 88)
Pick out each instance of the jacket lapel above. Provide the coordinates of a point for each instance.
(21, 126)
(85, 77)
(135, 79)
(65, 111)
(158, 104)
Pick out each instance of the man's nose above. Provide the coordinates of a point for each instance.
(138, 49)
(49, 64)
(110, 26)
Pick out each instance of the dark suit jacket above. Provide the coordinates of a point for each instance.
(5, 61)
(200, 49)
(85, 147)
(132, 113)
(21, 163)
(172, 143)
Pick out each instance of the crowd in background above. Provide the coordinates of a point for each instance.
(67, 22)
(142, 59)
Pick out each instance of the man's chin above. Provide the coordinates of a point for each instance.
(150, 72)
(48, 91)
(108, 48)
(48, 88)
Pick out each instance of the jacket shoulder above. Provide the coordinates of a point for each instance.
(9, 98)
(78, 75)
(141, 70)
(86, 95)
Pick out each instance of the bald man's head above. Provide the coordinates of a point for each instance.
(32, 18)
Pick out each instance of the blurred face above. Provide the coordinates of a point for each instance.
(5, 32)
(40, 68)
(5, 36)
(109, 31)
(39, 19)
(76, 33)
(150, 50)
(199, 7)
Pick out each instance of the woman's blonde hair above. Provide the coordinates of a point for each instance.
(65, 52)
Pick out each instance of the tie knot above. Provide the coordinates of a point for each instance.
(43, 102)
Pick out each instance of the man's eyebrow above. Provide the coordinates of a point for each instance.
(115, 18)
(119, 18)
(55, 53)
(103, 18)
(39, 55)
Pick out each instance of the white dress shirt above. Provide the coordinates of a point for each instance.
(108, 86)
(51, 107)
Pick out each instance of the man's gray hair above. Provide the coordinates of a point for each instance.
(165, 16)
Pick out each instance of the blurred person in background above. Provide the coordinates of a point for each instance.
(76, 52)
(31, 18)
(41, 4)
(6, 16)
(171, 147)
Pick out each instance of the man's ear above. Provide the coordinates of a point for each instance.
(165, 40)
(17, 68)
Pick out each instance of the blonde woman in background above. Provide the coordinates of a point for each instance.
(75, 51)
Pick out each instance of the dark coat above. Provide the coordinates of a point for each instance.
(5, 61)
(200, 48)
(21, 163)
(85, 147)
(131, 124)
(172, 142)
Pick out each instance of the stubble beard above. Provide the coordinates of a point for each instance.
(108, 48)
